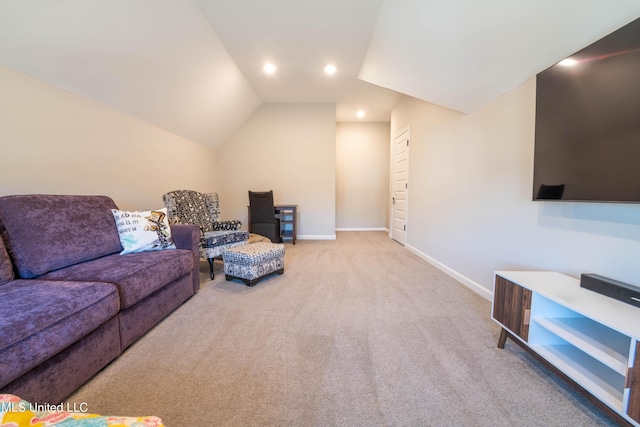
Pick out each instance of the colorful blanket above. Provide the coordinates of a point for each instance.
(15, 412)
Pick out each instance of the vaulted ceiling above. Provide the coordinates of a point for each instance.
(194, 67)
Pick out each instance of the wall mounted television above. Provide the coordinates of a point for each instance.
(587, 130)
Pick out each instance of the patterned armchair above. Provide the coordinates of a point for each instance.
(203, 210)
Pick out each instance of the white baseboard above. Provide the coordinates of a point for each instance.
(474, 286)
(363, 229)
(316, 237)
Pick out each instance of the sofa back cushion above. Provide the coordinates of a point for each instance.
(6, 269)
(47, 232)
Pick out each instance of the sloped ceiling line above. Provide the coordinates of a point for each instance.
(194, 67)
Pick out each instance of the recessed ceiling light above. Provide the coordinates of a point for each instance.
(361, 114)
(568, 62)
(269, 68)
(330, 69)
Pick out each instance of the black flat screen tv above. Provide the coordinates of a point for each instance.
(587, 129)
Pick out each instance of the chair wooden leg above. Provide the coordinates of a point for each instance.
(210, 267)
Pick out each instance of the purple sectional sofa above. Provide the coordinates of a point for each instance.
(69, 302)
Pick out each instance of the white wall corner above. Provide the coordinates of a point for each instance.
(474, 286)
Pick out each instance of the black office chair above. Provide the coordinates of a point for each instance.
(262, 215)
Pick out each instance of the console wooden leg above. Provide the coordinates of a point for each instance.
(503, 338)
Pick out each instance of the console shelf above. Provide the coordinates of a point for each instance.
(590, 338)
(607, 346)
(603, 383)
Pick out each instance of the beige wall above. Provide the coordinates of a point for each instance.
(56, 142)
(470, 208)
(290, 149)
(417, 117)
(420, 116)
(362, 176)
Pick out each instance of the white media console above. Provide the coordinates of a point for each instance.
(589, 338)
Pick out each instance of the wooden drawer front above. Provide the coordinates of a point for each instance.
(512, 306)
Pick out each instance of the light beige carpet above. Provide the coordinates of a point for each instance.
(357, 332)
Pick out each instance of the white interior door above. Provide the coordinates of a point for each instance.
(400, 188)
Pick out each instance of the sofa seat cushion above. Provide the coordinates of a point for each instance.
(40, 318)
(135, 275)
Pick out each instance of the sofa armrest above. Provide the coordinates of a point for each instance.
(187, 236)
(227, 225)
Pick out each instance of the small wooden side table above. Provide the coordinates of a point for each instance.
(288, 221)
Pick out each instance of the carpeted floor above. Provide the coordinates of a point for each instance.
(357, 332)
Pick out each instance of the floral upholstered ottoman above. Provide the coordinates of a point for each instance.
(252, 262)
